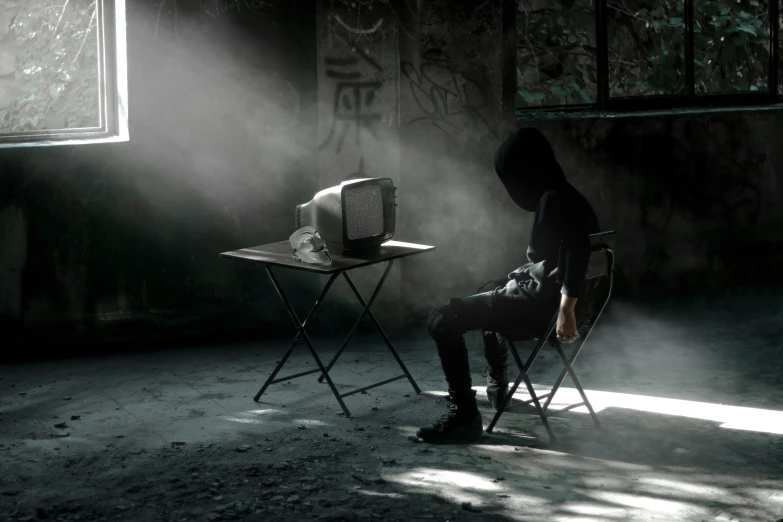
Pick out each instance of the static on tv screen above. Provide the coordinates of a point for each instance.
(363, 212)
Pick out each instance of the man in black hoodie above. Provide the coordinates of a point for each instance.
(557, 253)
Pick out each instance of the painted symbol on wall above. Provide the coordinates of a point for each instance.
(353, 103)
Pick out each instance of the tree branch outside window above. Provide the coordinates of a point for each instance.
(630, 55)
(62, 72)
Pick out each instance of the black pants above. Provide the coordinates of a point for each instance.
(490, 311)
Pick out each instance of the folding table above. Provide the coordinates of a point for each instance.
(280, 254)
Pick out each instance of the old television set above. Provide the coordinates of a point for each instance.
(353, 217)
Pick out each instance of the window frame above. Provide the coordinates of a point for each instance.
(690, 101)
(113, 89)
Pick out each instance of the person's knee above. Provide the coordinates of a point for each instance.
(440, 322)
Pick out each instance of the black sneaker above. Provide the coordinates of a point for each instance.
(497, 388)
(460, 425)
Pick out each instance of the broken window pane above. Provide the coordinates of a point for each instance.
(731, 45)
(49, 74)
(646, 47)
(556, 55)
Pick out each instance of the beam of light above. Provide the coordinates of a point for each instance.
(583, 519)
(310, 423)
(254, 416)
(461, 480)
(766, 495)
(241, 420)
(265, 412)
(602, 511)
(683, 489)
(458, 485)
(651, 505)
(729, 417)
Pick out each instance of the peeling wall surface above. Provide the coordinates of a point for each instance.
(239, 111)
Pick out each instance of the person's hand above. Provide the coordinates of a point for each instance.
(566, 326)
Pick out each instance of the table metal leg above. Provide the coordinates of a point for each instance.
(297, 340)
(358, 322)
(366, 311)
(301, 327)
(380, 330)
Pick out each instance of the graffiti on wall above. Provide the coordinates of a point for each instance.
(352, 108)
(354, 34)
(449, 99)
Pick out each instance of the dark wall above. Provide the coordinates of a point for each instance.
(122, 241)
(696, 200)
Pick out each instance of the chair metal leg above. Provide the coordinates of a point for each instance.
(578, 385)
(567, 370)
(564, 372)
(523, 370)
(303, 333)
(570, 361)
(541, 414)
(297, 340)
(575, 353)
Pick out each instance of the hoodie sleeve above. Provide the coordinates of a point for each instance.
(564, 221)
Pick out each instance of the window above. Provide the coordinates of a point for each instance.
(63, 72)
(637, 55)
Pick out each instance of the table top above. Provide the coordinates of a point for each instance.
(281, 254)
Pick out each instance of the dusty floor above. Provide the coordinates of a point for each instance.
(690, 402)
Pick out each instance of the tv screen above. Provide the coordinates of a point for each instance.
(363, 212)
(357, 215)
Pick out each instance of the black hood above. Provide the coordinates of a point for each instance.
(526, 165)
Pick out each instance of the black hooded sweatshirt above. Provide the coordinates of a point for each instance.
(526, 165)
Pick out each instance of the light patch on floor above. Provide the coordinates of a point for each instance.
(730, 417)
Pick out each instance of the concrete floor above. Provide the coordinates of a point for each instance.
(689, 397)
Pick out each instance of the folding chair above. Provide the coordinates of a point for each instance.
(596, 290)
